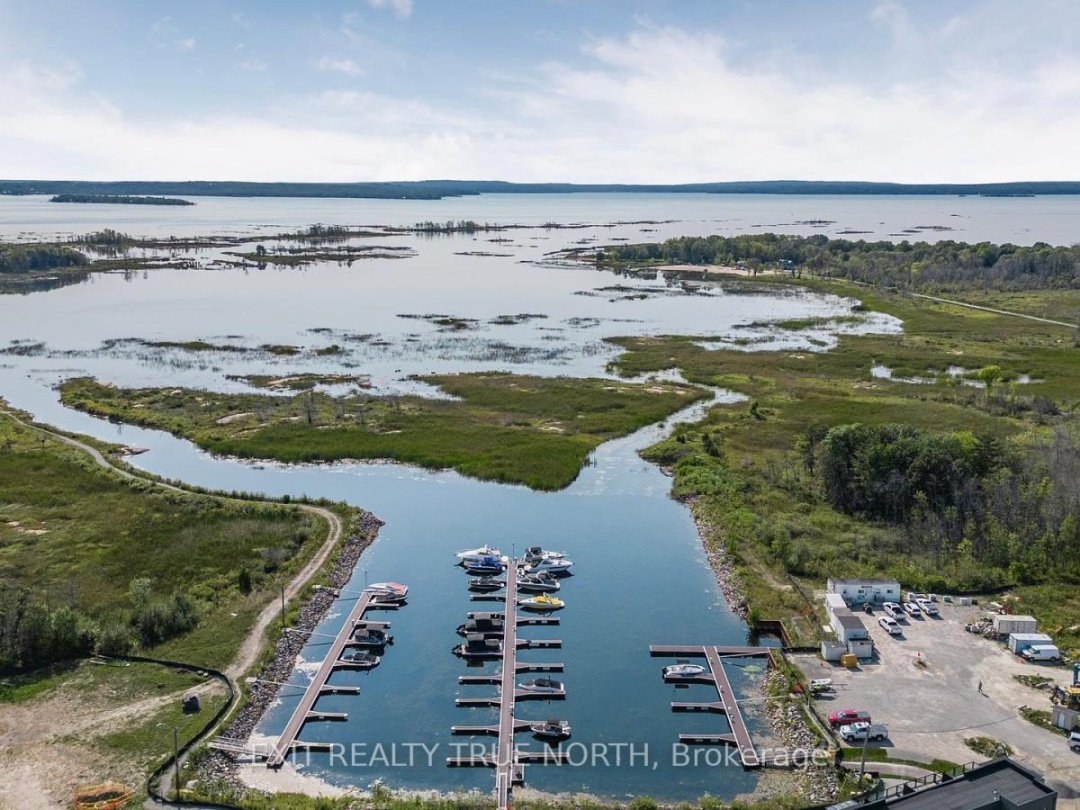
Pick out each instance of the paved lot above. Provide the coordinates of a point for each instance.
(931, 709)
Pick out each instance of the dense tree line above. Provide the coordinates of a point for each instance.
(436, 189)
(29, 258)
(958, 496)
(118, 199)
(921, 265)
(34, 634)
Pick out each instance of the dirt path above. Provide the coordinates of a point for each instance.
(249, 651)
(994, 311)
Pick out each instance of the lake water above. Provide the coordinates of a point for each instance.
(641, 576)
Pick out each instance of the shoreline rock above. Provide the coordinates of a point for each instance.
(220, 767)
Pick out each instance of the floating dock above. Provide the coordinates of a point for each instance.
(508, 763)
(305, 710)
(727, 705)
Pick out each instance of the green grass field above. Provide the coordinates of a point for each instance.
(77, 536)
(502, 427)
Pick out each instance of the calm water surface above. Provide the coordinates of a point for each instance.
(641, 577)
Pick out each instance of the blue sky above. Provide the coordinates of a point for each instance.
(540, 90)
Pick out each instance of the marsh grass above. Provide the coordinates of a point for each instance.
(517, 429)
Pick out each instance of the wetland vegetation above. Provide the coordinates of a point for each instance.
(502, 427)
(826, 470)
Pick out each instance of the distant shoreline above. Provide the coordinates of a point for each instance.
(117, 199)
(440, 189)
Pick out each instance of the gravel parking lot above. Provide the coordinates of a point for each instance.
(930, 707)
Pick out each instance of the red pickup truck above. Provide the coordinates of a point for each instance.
(845, 717)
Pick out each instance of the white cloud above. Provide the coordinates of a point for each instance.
(165, 34)
(402, 8)
(253, 65)
(346, 66)
(659, 105)
(239, 18)
(184, 45)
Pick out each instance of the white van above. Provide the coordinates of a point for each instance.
(1041, 652)
(1074, 741)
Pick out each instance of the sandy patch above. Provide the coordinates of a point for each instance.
(232, 417)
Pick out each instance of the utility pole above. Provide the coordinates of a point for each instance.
(865, 739)
(176, 761)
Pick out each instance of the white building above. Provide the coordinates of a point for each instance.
(857, 591)
(1005, 625)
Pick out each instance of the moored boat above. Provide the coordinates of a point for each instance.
(552, 565)
(677, 671)
(478, 647)
(477, 553)
(543, 686)
(484, 566)
(371, 638)
(541, 603)
(543, 582)
(551, 729)
(486, 584)
(388, 591)
(534, 554)
(363, 660)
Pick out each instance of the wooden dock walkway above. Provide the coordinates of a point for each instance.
(504, 750)
(726, 705)
(508, 763)
(304, 710)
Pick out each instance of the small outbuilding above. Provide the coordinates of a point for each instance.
(857, 591)
(1005, 625)
(847, 626)
(1018, 642)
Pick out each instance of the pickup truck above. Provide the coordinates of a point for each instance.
(845, 717)
(857, 732)
(894, 610)
(928, 607)
(912, 610)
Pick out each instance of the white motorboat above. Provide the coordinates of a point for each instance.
(477, 553)
(388, 591)
(551, 729)
(551, 565)
(543, 686)
(677, 671)
(543, 582)
(534, 554)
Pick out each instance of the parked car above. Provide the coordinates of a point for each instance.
(915, 597)
(892, 627)
(927, 607)
(860, 731)
(912, 610)
(894, 610)
(1074, 741)
(845, 717)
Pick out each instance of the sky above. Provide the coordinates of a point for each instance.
(588, 91)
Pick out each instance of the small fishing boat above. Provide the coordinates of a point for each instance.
(543, 582)
(388, 591)
(477, 553)
(486, 584)
(552, 565)
(364, 660)
(541, 603)
(551, 729)
(534, 554)
(484, 566)
(543, 686)
(371, 638)
(478, 647)
(677, 671)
